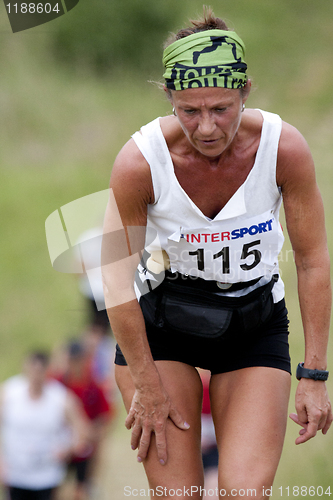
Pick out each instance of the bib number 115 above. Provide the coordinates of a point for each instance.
(224, 253)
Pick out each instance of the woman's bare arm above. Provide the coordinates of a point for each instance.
(306, 227)
(131, 192)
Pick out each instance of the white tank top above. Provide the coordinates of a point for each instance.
(242, 242)
(33, 431)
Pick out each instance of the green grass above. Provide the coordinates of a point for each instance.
(60, 133)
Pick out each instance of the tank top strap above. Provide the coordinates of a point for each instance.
(151, 143)
(268, 148)
(261, 189)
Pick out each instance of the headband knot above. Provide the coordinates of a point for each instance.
(212, 58)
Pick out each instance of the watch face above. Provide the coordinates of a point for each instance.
(298, 372)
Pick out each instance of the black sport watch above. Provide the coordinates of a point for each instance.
(302, 372)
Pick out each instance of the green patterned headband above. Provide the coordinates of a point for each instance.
(212, 58)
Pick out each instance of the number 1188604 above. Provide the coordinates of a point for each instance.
(32, 8)
(304, 491)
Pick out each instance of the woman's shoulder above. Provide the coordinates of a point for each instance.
(293, 148)
(130, 161)
(291, 139)
(171, 130)
(294, 155)
(132, 170)
(249, 132)
(251, 124)
(252, 117)
(131, 155)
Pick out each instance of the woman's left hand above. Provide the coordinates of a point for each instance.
(314, 411)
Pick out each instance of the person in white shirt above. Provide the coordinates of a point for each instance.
(42, 422)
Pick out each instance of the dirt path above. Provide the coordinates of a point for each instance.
(117, 469)
(120, 469)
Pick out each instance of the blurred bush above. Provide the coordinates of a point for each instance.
(104, 35)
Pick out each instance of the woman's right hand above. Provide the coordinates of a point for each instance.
(149, 412)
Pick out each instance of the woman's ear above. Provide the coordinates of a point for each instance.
(168, 93)
(246, 90)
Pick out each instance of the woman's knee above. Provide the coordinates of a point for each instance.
(250, 413)
(252, 480)
(183, 472)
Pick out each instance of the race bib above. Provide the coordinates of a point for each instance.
(226, 251)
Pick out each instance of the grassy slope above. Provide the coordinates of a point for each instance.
(60, 134)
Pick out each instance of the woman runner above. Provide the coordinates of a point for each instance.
(204, 187)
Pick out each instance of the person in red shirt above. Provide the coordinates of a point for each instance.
(79, 379)
(210, 456)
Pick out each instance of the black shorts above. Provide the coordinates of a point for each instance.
(268, 346)
(81, 469)
(24, 494)
(210, 458)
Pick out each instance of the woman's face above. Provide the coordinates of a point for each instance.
(209, 117)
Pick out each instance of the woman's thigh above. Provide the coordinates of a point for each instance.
(249, 408)
(183, 472)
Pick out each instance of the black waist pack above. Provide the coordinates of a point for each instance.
(206, 314)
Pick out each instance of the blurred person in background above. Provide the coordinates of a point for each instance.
(99, 344)
(210, 454)
(88, 253)
(97, 334)
(78, 378)
(210, 180)
(42, 424)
